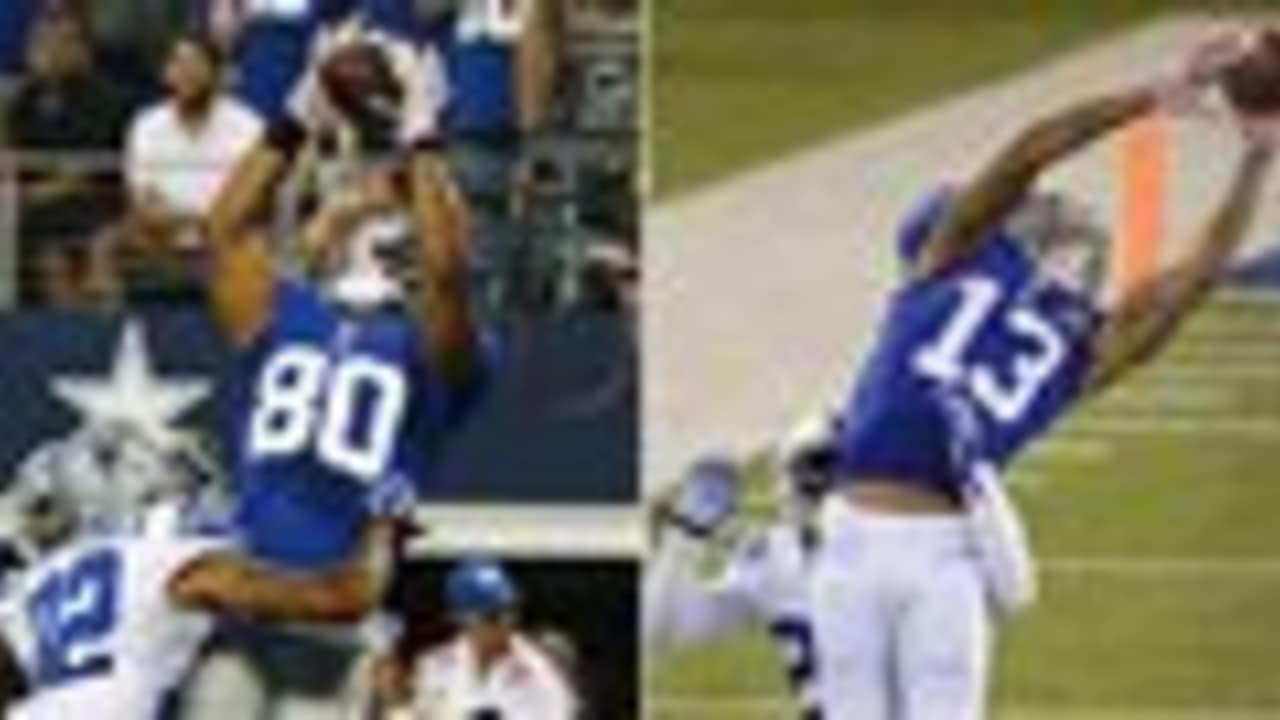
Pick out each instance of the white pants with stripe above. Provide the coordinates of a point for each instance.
(902, 621)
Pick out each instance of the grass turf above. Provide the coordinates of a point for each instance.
(736, 83)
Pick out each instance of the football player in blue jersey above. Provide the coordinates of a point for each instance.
(995, 332)
(345, 383)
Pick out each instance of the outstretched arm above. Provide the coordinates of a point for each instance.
(1148, 315)
(1000, 185)
(442, 233)
(229, 582)
(241, 275)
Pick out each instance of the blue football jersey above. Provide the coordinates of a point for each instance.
(971, 364)
(337, 417)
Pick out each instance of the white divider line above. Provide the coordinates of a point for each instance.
(1164, 566)
(1251, 427)
(757, 706)
(1258, 347)
(1211, 372)
(1137, 712)
(1225, 355)
(1249, 297)
(1168, 397)
(1065, 447)
(1224, 335)
(530, 531)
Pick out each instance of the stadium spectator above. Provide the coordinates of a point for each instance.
(178, 153)
(65, 106)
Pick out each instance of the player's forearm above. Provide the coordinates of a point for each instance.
(251, 185)
(341, 598)
(233, 584)
(443, 237)
(1064, 133)
(1227, 228)
(1005, 181)
(1150, 315)
(440, 214)
(1187, 285)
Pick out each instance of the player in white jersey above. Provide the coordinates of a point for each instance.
(763, 581)
(491, 670)
(107, 621)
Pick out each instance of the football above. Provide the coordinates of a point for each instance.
(360, 82)
(1252, 83)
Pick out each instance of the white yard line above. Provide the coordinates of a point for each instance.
(530, 531)
(1065, 447)
(771, 706)
(1164, 566)
(1210, 372)
(1252, 428)
(1249, 297)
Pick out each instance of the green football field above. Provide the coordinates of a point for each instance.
(1155, 514)
(739, 82)
(1156, 511)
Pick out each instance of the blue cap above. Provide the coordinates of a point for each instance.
(479, 586)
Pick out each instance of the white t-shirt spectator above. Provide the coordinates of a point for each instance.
(185, 166)
(525, 684)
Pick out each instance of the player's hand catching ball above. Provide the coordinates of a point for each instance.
(1186, 90)
(352, 82)
(1251, 84)
(1251, 81)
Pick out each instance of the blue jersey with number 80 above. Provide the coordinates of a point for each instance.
(971, 364)
(337, 418)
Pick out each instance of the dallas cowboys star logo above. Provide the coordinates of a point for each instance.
(132, 393)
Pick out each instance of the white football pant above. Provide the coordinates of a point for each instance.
(902, 621)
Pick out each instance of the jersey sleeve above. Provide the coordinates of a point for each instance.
(919, 222)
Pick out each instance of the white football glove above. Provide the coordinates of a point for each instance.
(421, 74)
(1004, 550)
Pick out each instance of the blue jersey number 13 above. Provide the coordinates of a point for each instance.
(1004, 392)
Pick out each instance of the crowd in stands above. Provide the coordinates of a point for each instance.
(120, 119)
